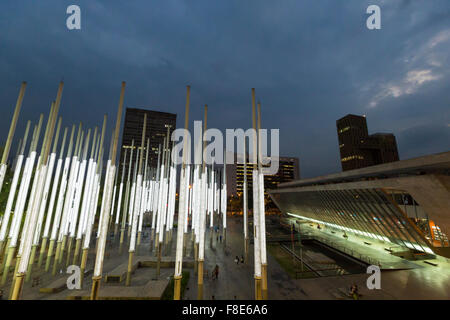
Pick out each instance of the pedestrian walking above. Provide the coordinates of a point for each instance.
(216, 272)
(242, 259)
(236, 260)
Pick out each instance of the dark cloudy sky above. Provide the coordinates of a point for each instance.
(311, 63)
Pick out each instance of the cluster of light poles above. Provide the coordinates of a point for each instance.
(55, 197)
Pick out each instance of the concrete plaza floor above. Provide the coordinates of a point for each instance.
(408, 280)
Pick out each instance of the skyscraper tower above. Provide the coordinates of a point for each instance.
(358, 149)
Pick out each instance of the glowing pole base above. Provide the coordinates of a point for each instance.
(264, 281)
(49, 255)
(17, 287)
(61, 252)
(258, 294)
(158, 263)
(57, 254)
(177, 287)
(30, 263)
(200, 280)
(42, 252)
(8, 259)
(95, 287)
(84, 257)
(130, 268)
(122, 232)
(196, 258)
(13, 285)
(76, 254)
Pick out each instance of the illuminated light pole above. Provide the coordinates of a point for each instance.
(105, 213)
(256, 206)
(82, 182)
(155, 201)
(245, 204)
(59, 203)
(52, 201)
(182, 205)
(119, 201)
(87, 194)
(126, 201)
(132, 196)
(202, 214)
(43, 204)
(137, 206)
(93, 201)
(62, 237)
(162, 200)
(36, 199)
(172, 174)
(12, 192)
(108, 163)
(143, 201)
(12, 129)
(223, 204)
(262, 214)
(211, 203)
(113, 199)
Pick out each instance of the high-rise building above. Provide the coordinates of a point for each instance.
(288, 170)
(358, 149)
(156, 131)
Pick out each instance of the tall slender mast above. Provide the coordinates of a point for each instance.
(12, 129)
(107, 193)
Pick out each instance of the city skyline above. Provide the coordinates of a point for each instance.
(310, 63)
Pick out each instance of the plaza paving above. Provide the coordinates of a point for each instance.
(408, 280)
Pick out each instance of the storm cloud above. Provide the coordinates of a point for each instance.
(311, 63)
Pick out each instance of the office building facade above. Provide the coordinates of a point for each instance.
(358, 149)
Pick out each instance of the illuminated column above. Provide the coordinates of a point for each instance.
(182, 201)
(155, 202)
(203, 212)
(12, 129)
(87, 194)
(59, 203)
(262, 215)
(245, 204)
(93, 202)
(119, 201)
(143, 196)
(132, 196)
(126, 201)
(137, 206)
(107, 193)
(256, 206)
(223, 204)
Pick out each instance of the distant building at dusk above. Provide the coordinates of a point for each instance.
(288, 171)
(156, 130)
(358, 149)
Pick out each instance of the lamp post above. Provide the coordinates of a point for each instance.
(12, 129)
(182, 206)
(105, 212)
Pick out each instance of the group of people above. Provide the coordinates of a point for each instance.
(218, 236)
(236, 260)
